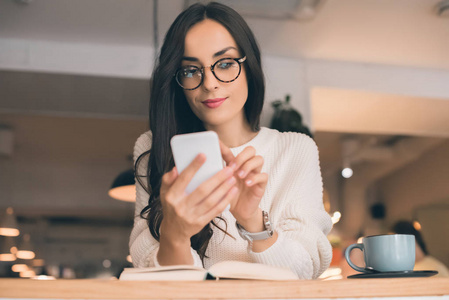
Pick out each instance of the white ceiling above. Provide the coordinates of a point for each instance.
(400, 32)
(84, 21)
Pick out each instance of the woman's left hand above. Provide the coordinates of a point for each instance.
(251, 184)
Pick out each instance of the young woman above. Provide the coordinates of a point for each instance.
(209, 77)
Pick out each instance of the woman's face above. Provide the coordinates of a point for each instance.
(214, 102)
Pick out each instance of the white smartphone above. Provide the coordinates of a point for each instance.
(186, 147)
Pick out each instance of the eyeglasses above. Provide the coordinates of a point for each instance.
(225, 70)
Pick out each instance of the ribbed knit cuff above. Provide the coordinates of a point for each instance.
(266, 256)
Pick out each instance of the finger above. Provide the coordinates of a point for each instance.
(220, 206)
(253, 165)
(258, 182)
(219, 193)
(187, 174)
(168, 179)
(245, 155)
(226, 153)
(208, 186)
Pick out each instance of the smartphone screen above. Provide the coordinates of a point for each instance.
(186, 147)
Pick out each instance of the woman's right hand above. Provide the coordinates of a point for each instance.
(186, 214)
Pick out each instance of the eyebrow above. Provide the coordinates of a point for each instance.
(221, 52)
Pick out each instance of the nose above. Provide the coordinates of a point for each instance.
(210, 82)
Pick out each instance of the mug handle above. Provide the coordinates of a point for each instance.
(348, 252)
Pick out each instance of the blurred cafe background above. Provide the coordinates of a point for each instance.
(369, 78)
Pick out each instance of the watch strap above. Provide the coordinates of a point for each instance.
(257, 236)
(254, 236)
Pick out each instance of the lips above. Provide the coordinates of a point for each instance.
(214, 103)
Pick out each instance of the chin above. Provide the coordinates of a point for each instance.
(214, 121)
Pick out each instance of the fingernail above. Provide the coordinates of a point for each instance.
(233, 166)
(248, 182)
(233, 191)
(231, 180)
(241, 173)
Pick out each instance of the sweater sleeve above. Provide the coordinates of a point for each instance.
(302, 223)
(143, 246)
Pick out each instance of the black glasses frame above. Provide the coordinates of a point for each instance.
(238, 60)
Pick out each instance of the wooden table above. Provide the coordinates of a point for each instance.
(226, 289)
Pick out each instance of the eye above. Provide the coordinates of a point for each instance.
(226, 64)
(189, 71)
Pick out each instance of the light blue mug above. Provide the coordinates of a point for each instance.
(385, 253)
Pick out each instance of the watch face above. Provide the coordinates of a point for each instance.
(267, 223)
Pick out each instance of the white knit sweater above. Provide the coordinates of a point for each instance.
(293, 198)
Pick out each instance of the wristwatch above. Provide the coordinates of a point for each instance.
(257, 236)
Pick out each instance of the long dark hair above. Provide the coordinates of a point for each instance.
(170, 113)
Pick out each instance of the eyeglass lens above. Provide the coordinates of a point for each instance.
(225, 70)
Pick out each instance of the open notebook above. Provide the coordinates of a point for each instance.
(221, 270)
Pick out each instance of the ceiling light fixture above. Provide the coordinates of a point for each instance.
(20, 268)
(347, 172)
(123, 188)
(25, 249)
(417, 225)
(27, 274)
(8, 225)
(6, 244)
(38, 262)
(349, 148)
(336, 216)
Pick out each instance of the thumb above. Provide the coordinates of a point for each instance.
(226, 153)
(169, 178)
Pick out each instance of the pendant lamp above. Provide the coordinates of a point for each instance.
(8, 224)
(20, 267)
(123, 188)
(6, 244)
(25, 249)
